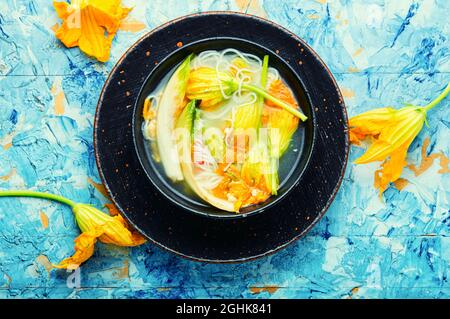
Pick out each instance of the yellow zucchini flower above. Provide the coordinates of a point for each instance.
(90, 24)
(392, 132)
(94, 224)
(213, 87)
(210, 86)
(282, 124)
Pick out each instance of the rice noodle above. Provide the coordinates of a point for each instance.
(219, 113)
(245, 56)
(222, 61)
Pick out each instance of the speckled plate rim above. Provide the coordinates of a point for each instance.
(257, 256)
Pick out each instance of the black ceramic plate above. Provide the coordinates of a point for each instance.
(190, 227)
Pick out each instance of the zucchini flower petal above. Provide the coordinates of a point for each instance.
(392, 168)
(281, 123)
(258, 170)
(210, 86)
(213, 87)
(84, 249)
(115, 229)
(370, 123)
(248, 116)
(239, 65)
(404, 125)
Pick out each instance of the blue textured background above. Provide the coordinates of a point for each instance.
(380, 52)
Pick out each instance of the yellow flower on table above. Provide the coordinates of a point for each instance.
(392, 132)
(90, 24)
(94, 224)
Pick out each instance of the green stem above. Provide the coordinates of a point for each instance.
(264, 71)
(273, 175)
(260, 101)
(24, 193)
(278, 102)
(441, 96)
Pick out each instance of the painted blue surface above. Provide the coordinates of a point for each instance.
(380, 52)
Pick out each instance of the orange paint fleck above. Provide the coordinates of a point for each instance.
(427, 161)
(59, 103)
(269, 289)
(354, 290)
(241, 4)
(99, 187)
(179, 44)
(55, 86)
(401, 183)
(250, 6)
(54, 27)
(313, 16)
(8, 279)
(255, 290)
(43, 260)
(123, 272)
(347, 93)
(444, 163)
(321, 1)
(44, 219)
(7, 146)
(9, 175)
(132, 25)
(353, 70)
(358, 52)
(58, 97)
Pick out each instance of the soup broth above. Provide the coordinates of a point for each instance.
(222, 126)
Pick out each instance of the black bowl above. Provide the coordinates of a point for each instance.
(191, 228)
(292, 163)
